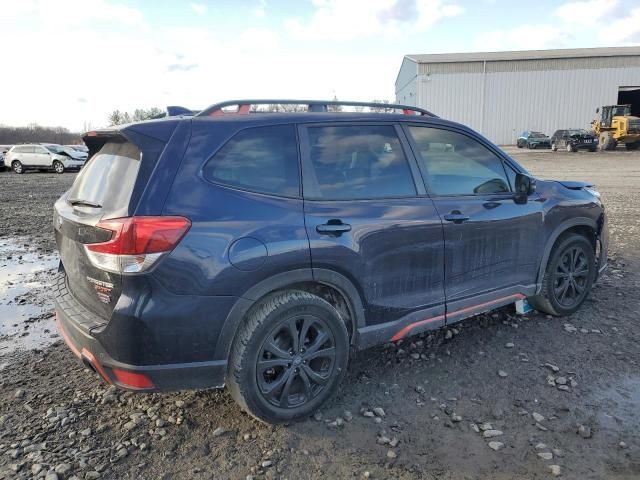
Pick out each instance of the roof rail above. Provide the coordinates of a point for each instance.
(244, 106)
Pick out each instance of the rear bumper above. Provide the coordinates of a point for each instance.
(79, 334)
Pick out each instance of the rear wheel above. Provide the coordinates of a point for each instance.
(288, 358)
(554, 147)
(17, 166)
(570, 148)
(58, 167)
(568, 277)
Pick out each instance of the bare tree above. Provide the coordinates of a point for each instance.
(381, 109)
(34, 133)
(334, 108)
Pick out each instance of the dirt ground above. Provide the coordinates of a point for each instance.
(553, 392)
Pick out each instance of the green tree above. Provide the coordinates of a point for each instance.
(139, 114)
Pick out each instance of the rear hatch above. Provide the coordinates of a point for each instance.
(108, 187)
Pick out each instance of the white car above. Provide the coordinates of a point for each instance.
(25, 157)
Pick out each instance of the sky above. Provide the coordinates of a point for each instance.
(71, 62)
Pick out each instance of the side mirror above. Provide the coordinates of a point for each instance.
(525, 186)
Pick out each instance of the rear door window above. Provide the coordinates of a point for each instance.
(108, 179)
(455, 164)
(356, 162)
(260, 159)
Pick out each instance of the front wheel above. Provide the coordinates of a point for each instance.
(570, 148)
(568, 278)
(58, 167)
(288, 357)
(17, 167)
(554, 147)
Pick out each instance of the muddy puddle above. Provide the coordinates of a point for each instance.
(26, 299)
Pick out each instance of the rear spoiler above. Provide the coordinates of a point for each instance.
(154, 130)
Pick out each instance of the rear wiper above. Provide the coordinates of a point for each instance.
(84, 203)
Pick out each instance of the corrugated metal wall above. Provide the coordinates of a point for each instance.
(522, 95)
(406, 84)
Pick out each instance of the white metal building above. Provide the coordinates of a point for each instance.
(500, 94)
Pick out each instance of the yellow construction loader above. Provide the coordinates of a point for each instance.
(617, 125)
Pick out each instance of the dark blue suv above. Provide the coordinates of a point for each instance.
(259, 250)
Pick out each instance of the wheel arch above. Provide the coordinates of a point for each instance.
(584, 226)
(328, 285)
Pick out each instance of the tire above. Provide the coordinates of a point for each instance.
(533, 146)
(58, 167)
(266, 338)
(554, 147)
(17, 167)
(632, 146)
(570, 148)
(593, 149)
(553, 298)
(519, 145)
(607, 142)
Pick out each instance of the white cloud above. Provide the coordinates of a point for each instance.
(623, 30)
(588, 12)
(83, 12)
(261, 10)
(525, 37)
(341, 20)
(606, 22)
(198, 8)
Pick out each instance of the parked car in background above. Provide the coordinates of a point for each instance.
(573, 140)
(34, 156)
(79, 148)
(3, 151)
(530, 139)
(261, 250)
(64, 150)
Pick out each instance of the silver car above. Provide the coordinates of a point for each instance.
(33, 156)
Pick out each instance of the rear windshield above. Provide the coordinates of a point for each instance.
(108, 178)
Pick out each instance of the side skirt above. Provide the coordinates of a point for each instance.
(436, 317)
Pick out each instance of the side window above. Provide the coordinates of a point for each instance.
(40, 150)
(455, 164)
(261, 159)
(357, 162)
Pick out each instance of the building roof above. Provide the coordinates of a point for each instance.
(524, 55)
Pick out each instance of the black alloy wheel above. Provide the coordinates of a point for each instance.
(569, 275)
(570, 279)
(288, 357)
(296, 361)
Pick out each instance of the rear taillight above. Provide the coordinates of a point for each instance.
(136, 242)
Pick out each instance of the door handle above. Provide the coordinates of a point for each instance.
(456, 217)
(333, 227)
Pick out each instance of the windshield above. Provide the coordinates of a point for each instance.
(621, 110)
(54, 148)
(69, 150)
(108, 178)
(537, 134)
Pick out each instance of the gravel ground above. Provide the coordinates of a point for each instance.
(498, 396)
